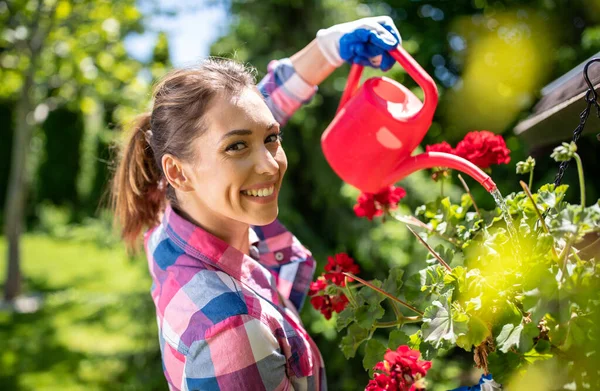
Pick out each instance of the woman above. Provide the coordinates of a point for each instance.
(203, 171)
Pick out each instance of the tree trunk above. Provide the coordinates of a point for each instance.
(17, 187)
(18, 182)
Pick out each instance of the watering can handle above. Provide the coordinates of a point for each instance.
(412, 68)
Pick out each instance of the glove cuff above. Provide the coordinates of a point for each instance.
(329, 44)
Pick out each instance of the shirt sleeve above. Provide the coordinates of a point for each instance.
(239, 353)
(284, 90)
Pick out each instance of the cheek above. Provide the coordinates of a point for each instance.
(281, 160)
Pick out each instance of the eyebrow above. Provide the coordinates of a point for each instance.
(246, 132)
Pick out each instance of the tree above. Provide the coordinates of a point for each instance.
(58, 53)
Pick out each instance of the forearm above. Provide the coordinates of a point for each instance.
(311, 65)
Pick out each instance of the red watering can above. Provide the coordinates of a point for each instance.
(377, 126)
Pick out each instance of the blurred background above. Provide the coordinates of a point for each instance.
(76, 312)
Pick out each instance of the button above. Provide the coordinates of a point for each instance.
(279, 256)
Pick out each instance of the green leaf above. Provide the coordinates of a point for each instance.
(356, 335)
(577, 331)
(533, 356)
(393, 283)
(366, 315)
(549, 197)
(374, 351)
(415, 340)
(457, 278)
(478, 332)
(369, 296)
(530, 331)
(370, 308)
(509, 337)
(439, 324)
(345, 317)
(398, 338)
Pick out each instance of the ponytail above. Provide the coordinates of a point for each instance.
(138, 190)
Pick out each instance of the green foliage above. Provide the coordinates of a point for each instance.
(519, 291)
(57, 178)
(96, 329)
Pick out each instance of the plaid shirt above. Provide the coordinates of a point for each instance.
(228, 320)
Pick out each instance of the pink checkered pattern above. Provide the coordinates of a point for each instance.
(284, 90)
(222, 325)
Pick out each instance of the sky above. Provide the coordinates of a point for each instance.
(190, 32)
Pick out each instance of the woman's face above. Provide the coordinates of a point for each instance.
(239, 162)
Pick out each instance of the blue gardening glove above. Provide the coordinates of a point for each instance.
(365, 42)
(486, 383)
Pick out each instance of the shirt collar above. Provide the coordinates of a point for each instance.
(209, 249)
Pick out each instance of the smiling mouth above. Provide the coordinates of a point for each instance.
(265, 192)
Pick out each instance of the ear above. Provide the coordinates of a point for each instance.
(175, 174)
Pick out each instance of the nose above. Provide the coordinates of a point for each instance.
(265, 163)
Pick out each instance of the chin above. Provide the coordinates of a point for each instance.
(264, 218)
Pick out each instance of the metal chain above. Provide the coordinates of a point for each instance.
(592, 99)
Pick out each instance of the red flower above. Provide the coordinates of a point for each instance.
(400, 370)
(483, 149)
(371, 205)
(323, 302)
(338, 264)
(441, 147)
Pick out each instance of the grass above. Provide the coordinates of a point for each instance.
(96, 329)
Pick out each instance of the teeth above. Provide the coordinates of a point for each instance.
(260, 192)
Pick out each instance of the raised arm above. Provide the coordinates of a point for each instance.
(293, 81)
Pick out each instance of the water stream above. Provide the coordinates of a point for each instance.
(505, 213)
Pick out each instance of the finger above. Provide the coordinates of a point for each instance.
(388, 24)
(367, 50)
(383, 38)
(387, 62)
(361, 60)
(394, 31)
(376, 61)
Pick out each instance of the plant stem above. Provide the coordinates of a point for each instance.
(470, 195)
(581, 179)
(397, 300)
(531, 178)
(537, 211)
(397, 311)
(418, 223)
(393, 323)
(349, 293)
(432, 251)
(442, 186)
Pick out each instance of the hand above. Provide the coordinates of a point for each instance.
(365, 42)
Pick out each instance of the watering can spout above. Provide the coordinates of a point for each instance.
(440, 159)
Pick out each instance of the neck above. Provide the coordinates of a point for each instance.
(232, 232)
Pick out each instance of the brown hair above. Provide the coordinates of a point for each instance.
(139, 190)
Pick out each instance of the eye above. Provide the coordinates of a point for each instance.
(236, 146)
(275, 137)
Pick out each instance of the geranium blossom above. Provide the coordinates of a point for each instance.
(400, 370)
(338, 264)
(321, 301)
(441, 147)
(372, 205)
(483, 149)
